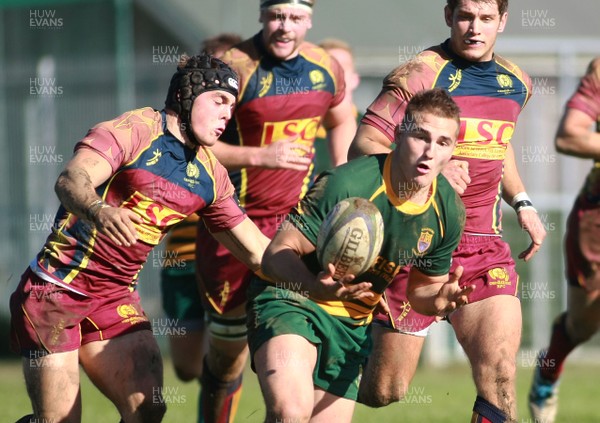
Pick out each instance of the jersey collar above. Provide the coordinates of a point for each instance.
(404, 206)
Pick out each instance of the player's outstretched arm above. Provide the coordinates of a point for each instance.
(75, 188)
(437, 295)
(283, 154)
(246, 242)
(512, 188)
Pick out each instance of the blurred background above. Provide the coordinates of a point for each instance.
(67, 65)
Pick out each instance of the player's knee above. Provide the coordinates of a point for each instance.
(150, 407)
(382, 394)
(498, 374)
(506, 369)
(185, 375)
(296, 410)
(224, 368)
(376, 400)
(276, 417)
(188, 369)
(187, 357)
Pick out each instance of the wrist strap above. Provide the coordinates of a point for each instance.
(524, 205)
(521, 201)
(519, 197)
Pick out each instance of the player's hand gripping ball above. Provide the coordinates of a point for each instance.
(350, 237)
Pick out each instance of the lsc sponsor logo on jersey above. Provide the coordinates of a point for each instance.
(305, 129)
(484, 138)
(157, 218)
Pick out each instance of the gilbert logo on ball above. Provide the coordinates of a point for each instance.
(350, 237)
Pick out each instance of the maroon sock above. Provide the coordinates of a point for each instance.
(551, 365)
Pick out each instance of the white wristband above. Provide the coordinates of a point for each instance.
(519, 197)
(521, 202)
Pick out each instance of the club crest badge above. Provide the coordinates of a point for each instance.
(425, 240)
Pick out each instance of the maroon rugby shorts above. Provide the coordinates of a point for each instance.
(222, 279)
(487, 264)
(47, 317)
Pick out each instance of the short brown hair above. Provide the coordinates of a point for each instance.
(502, 4)
(436, 101)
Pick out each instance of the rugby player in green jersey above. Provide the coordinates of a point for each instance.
(491, 92)
(307, 328)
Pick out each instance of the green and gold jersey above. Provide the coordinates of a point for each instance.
(421, 236)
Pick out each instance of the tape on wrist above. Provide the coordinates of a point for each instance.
(519, 197)
(521, 201)
(524, 205)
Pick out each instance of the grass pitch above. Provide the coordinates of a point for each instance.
(436, 395)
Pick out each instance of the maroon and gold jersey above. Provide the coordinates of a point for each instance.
(490, 96)
(278, 100)
(154, 175)
(587, 100)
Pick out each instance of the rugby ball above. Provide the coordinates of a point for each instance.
(350, 237)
